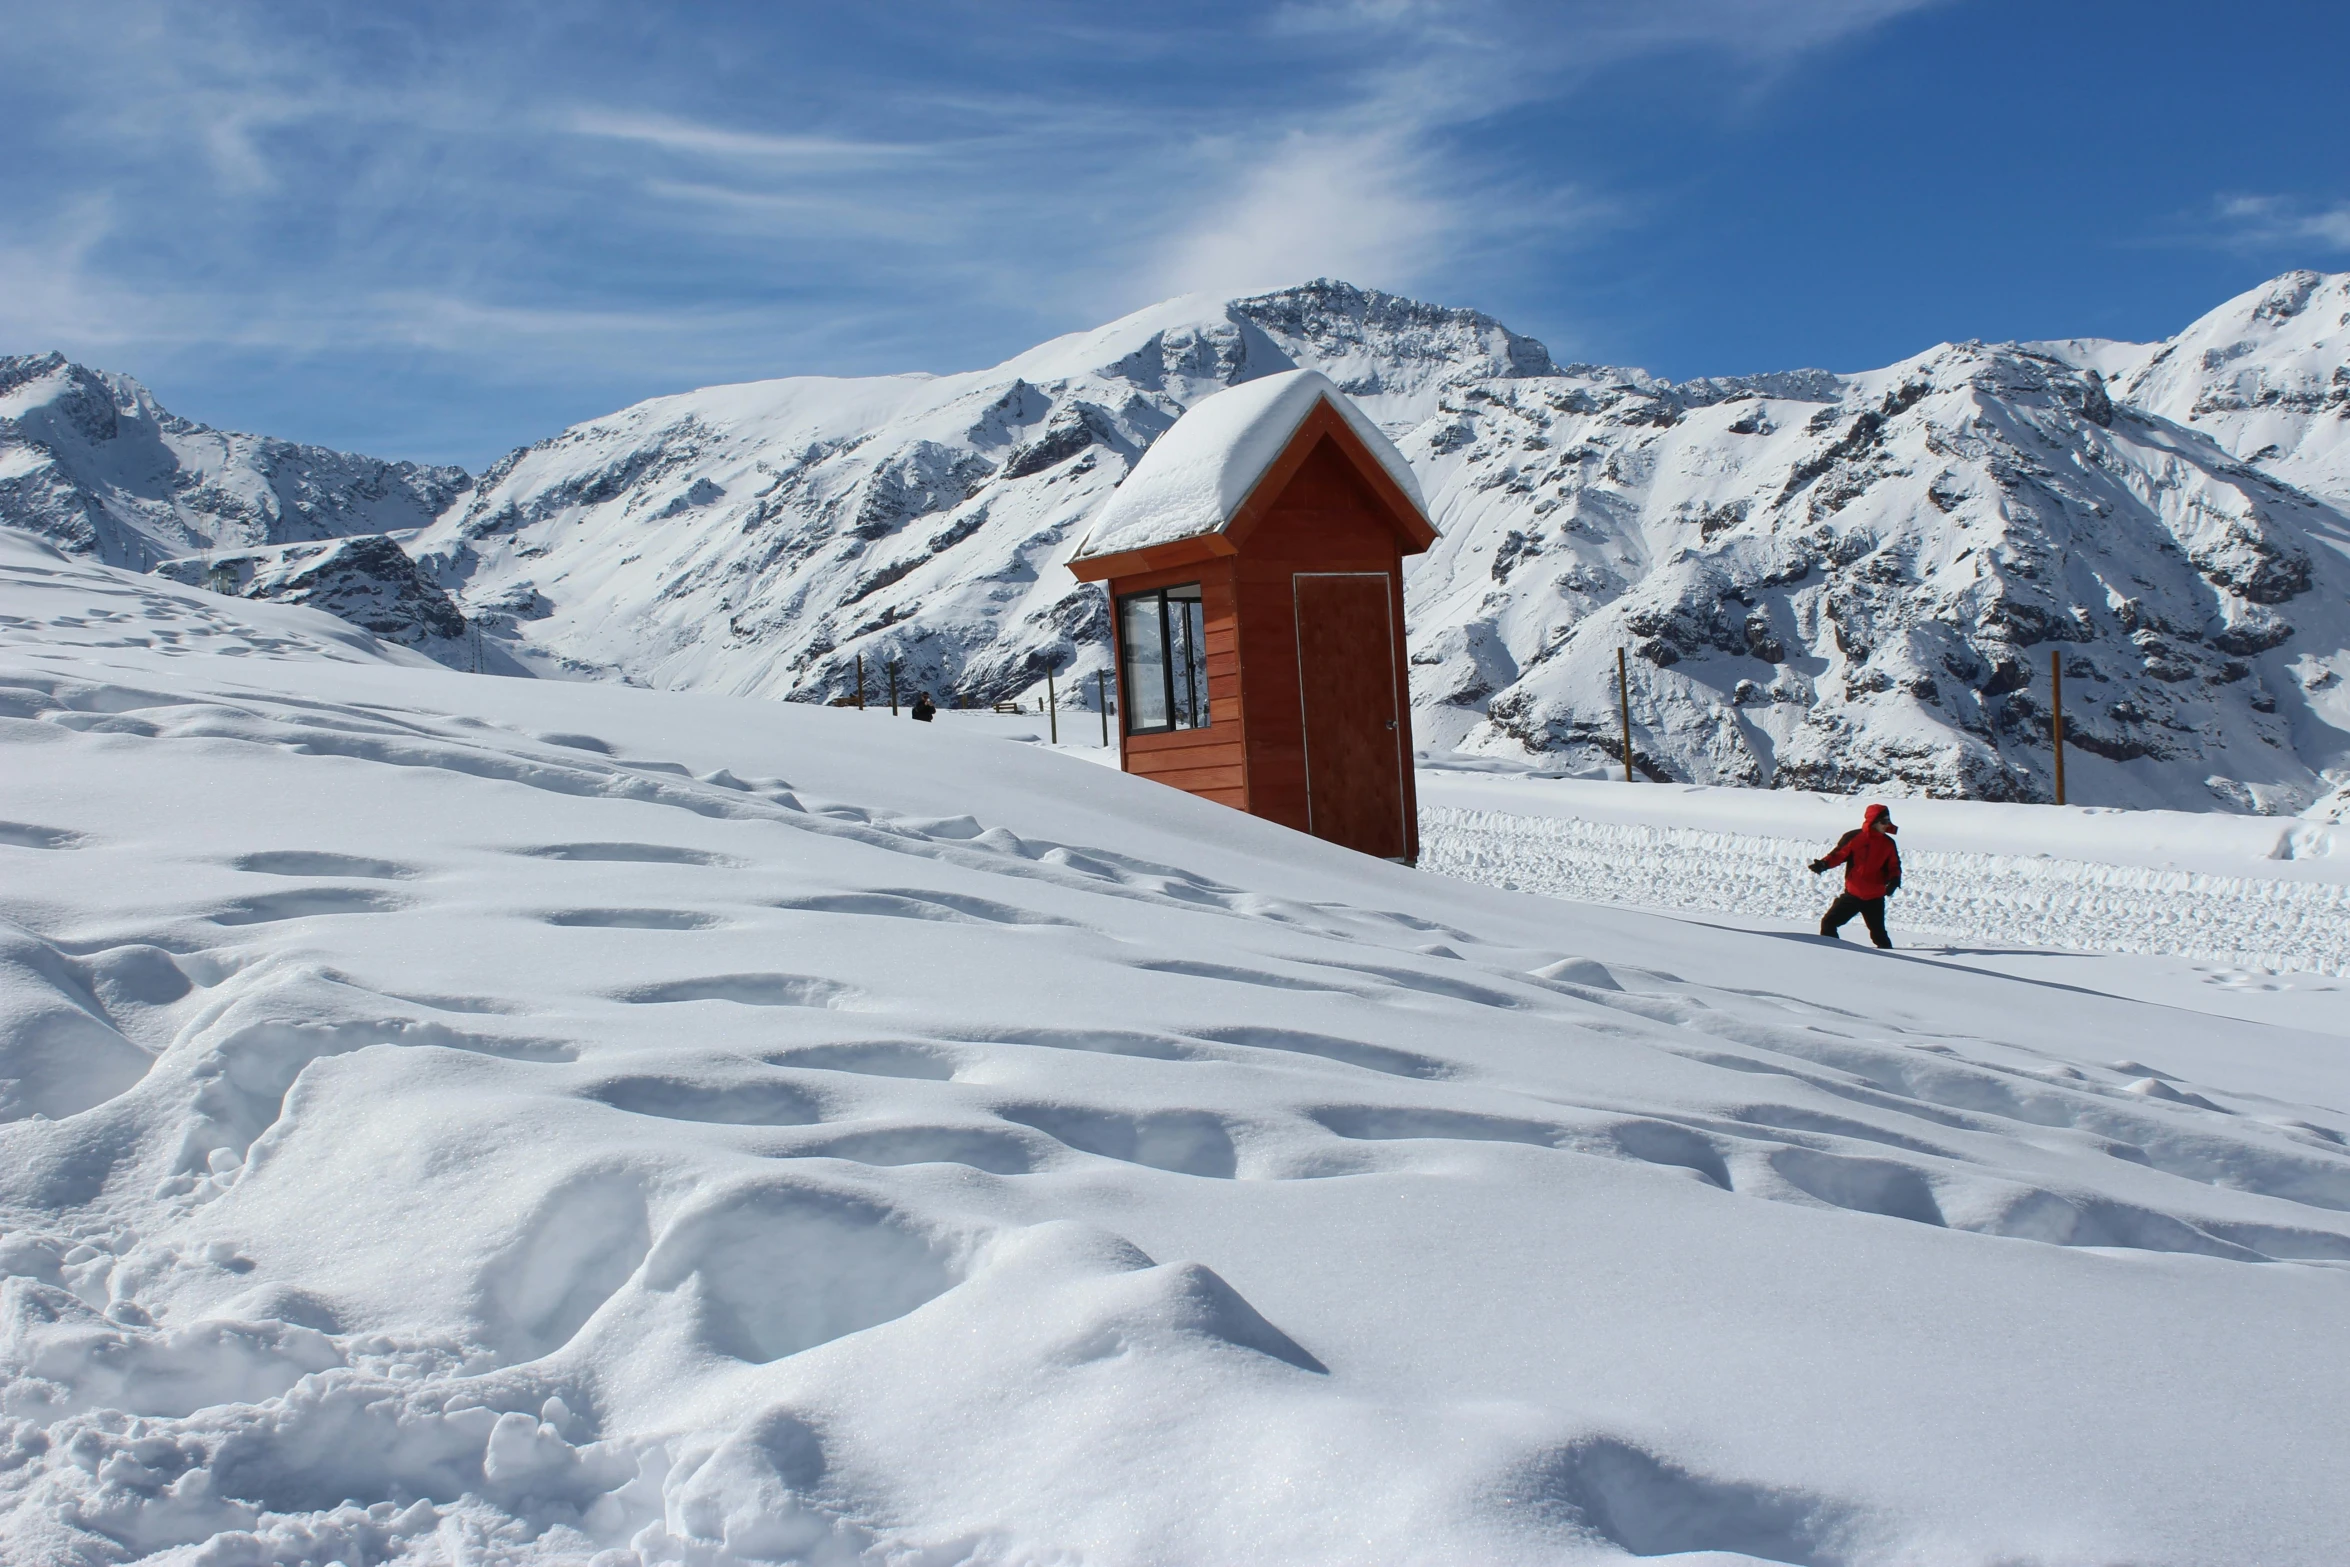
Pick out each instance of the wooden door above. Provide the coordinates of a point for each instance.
(1353, 727)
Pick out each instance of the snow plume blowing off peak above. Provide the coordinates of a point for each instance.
(1830, 581)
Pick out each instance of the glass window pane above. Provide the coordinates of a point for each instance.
(1143, 634)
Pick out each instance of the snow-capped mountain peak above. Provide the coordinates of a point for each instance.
(90, 460)
(1390, 354)
(2267, 376)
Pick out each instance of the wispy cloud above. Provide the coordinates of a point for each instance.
(1388, 183)
(620, 200)
(2273, 222)
(47, 294)
(812, 216)
(793, 152)
(1360, 206)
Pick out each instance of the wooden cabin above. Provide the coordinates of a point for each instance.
(1254, 560)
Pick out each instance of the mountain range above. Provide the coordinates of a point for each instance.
(90, 461)
(1837, 581)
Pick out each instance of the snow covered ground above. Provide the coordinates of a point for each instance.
(2267, 894)
(476, 1120)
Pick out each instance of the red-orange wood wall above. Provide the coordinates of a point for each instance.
(1325, 520)
(1211, 762)
(1252, 755)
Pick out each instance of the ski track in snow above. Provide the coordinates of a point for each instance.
(2077, 905)
(481, 1121)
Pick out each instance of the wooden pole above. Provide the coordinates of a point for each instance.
(1052, 709)
(860, 682)
(2056, 716)
(1624, 704)
(1101, 694)
(893, 688)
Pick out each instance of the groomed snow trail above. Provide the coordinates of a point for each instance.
(456, 1120)
(2035, 901)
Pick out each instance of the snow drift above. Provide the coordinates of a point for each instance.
(493, 1120)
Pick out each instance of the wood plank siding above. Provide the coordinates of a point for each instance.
(1324, 520)
(1211, 761)
(1324, 506)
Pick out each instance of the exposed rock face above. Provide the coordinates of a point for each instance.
(1379, 346)
(1864, 591)
(90, 461)
(367, 580)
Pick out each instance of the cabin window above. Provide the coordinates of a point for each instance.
(1163, 635)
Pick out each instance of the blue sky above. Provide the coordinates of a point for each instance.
(439, 230)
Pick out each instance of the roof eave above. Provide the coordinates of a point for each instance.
(1155, 557)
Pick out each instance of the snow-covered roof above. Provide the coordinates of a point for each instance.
(1196, 476)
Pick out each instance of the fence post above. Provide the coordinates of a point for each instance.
(1101, 693)
(1052, 710)
(2056, 716)
(860, 682)
(1624, 707)
(893, 688)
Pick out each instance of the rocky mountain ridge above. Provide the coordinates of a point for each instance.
(1864, 592)
(90, 461)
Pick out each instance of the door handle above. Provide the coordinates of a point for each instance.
(1391, 723)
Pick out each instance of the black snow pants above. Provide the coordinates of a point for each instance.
(1871, 911)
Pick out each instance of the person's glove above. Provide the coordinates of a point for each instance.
(1818, 866)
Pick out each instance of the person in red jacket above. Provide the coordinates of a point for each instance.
(1872, 870)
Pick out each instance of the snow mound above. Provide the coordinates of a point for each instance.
(66, 601)
(498, 1120)
(1198, 475)
(366, 579)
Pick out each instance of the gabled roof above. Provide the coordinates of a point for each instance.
(1197, 478)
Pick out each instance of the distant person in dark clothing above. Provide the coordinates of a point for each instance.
(923, 710)
(1872, 871)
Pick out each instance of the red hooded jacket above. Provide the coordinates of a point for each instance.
(1872, 864)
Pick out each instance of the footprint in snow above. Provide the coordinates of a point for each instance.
(305, 902)
(633, 919)
(24, 835)
(629, 854)
(307, 862)
(750, 990)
